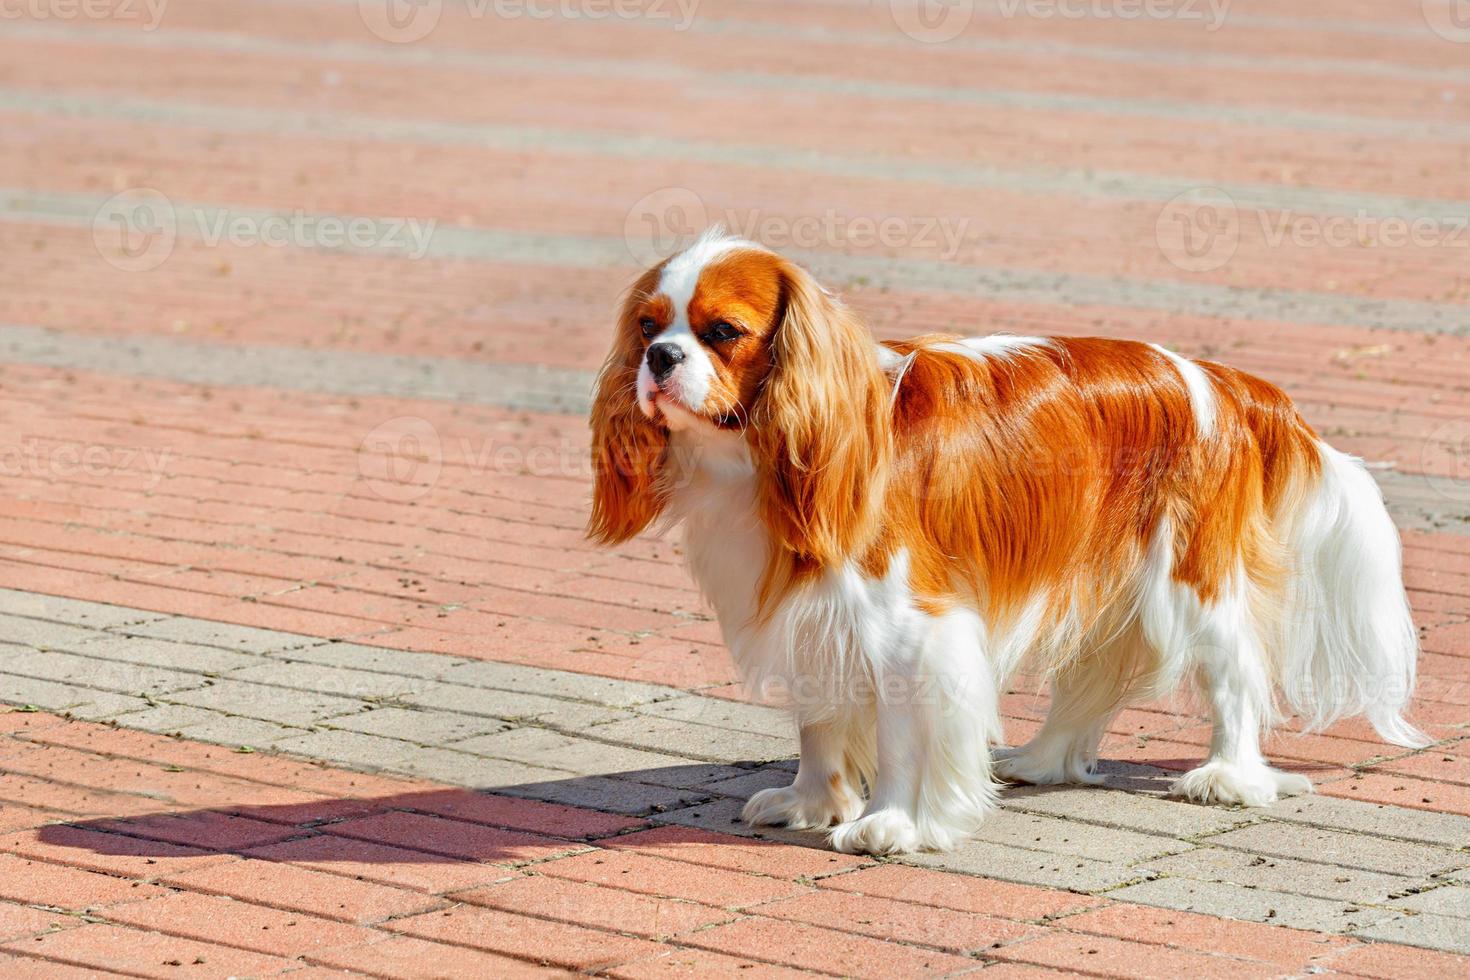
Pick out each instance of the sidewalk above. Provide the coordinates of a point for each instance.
(308, 667)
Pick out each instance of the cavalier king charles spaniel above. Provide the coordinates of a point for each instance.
(891, 532)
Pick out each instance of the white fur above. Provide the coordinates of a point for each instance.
(1201, 391)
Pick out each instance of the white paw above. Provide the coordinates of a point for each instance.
(1027, 765)
(1247, 785)
(789, 807)
(885, 831)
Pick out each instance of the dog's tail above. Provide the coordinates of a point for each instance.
(1349, 645)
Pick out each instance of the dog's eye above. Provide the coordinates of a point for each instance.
(721, 332)
(649, 325)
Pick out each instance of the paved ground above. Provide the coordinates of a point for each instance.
(312, 671)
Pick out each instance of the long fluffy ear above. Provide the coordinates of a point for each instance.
(820, 430)
(627, 447)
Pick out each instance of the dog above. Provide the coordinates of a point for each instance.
(890, 532)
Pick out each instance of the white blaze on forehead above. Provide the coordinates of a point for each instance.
(1201, 391)
(681, 275)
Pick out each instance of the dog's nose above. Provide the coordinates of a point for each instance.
(662, 358)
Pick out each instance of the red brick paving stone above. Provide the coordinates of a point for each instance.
(732, 853)
(17, 921)
(14, 817)
(657, 876)
(409, 957)
(299, 889)
(455, 838)
(885, 918)
(1440, 764)
(536, 940)
(826, 950)
(965, 893)
(1291, 948)
(1417, 794)
(701, 964)
(1123, 958)
(17, 721)
(74, 801)
(1394, 961)
(242, 924)
(147, 953)
(594, 906)
(533, 815)
(395, 866)
(203, 829)
(109, 853)
(38, 883)
(26, 968)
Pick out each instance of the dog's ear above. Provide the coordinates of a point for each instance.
(628, 448)
(820, 432)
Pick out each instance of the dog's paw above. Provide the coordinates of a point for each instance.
(1246, 785)
(789, 807)
(1027, 764)
(886, 831)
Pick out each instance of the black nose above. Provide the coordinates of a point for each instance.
(662, 358)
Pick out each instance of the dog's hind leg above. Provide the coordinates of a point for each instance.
(1235, 682)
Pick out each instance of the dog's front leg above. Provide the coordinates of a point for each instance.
(937, 711)
(825, 790)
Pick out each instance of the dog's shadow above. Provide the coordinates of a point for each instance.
(494, 824)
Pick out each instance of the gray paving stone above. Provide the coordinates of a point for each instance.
(699, 741)
(420, 727)
(89, 672)
(1127, 811)
(360, 684)
(229, 730)
(1329, 881)
(107, 706)
(1043, 833)
(163, 653)
(540, 746)
(1253, 904)
(352, 748)
(21, 691)
(748, 783)
(1441, 932)
(1449, 829)
(247, 638)
(76, 612)
(478, 771)
(556, 683)
(723, 816)
(723, 714)
(1336, 847)
(1031, 867)
(356, 656)
(602, 793)
(165, 719)
(1451, 900)
(279, 704)
(40, 633)
(513, 706)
